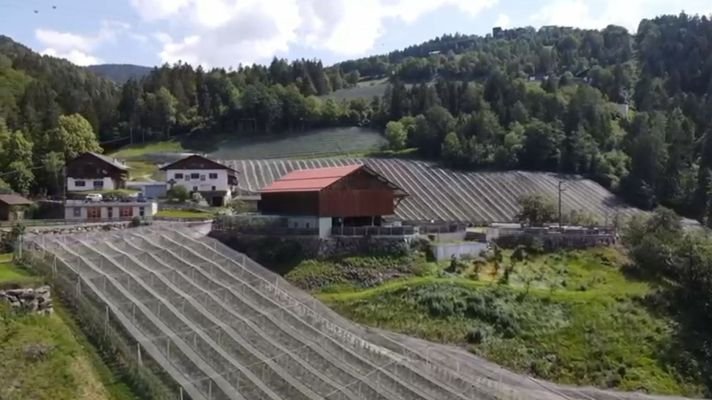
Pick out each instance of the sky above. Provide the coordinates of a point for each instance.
(226, 33)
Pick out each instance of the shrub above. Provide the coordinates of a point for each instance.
(135, 222)
(475, 336)
(178, 194)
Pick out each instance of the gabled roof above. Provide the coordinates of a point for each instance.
(112, 161)
(14, 200)
(316, 179)
(204, 161)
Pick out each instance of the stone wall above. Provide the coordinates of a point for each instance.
(276, 249)
(37, 300)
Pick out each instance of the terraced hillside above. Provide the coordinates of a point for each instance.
(442, 194)
(223, 327)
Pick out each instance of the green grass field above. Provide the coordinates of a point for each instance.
(47, 357)
(137, 151)
(570, 317)
(185, 214)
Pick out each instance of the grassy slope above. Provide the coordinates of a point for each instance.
(66, 367)
(140, 149)
(186, 214)
(581, 321)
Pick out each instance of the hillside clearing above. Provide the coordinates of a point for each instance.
(570, 317)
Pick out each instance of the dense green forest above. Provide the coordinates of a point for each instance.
(552, 99)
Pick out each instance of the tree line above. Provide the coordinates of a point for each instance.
(629, 111)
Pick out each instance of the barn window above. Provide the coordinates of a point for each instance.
(213, 175)
(77, 212)
(178, 176)
(79, 183)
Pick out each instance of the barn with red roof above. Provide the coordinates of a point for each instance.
(352, 195)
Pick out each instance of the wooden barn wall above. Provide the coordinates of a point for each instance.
(355, 203)
(289, 203)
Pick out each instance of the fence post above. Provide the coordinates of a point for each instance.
(138, 354)
(106, 320)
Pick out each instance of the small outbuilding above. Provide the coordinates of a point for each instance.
(321, 198)
(13, 206)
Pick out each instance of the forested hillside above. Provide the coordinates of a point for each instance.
(550, 99)
(120, 73)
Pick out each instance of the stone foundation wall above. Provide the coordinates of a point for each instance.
(37, 300)
(276, 248)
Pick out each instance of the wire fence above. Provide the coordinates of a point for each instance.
(190, 318)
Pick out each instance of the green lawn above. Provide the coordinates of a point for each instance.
(185, 214)
(144, 171)
(47, 357)
(138, 150)
(571, 317)
(11, 275)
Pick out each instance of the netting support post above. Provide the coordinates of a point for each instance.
(106, 320)
(133, 313)
(138, 354)
(180, 390)
(210, 389)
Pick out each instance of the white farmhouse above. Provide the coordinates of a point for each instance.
(214, 181)
(95, 172)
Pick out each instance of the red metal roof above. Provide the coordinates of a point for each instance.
(310, 180)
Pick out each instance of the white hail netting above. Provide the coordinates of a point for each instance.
(224, 327)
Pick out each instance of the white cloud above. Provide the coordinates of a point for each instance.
(75, 56)
(228, 32)
(77, 48)
(597, 14)
(502, 21)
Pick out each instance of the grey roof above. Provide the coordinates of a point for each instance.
(110, 160)
(14, 200)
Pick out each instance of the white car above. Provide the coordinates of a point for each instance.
(94, 197)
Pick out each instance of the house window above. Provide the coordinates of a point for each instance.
(125, 212)
(178, 176)
(77, 212)
(141, 212)
(98, 184)
(187, 177)
(195, 176)
(213, 189)
(213, 175)
(94, 213)
(110, 212)
(202, 177)
(79, 183)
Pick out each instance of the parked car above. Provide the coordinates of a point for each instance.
(94, 197)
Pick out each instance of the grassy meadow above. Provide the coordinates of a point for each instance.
(572, 317)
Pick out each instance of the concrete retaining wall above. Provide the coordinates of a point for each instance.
(445, 251)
